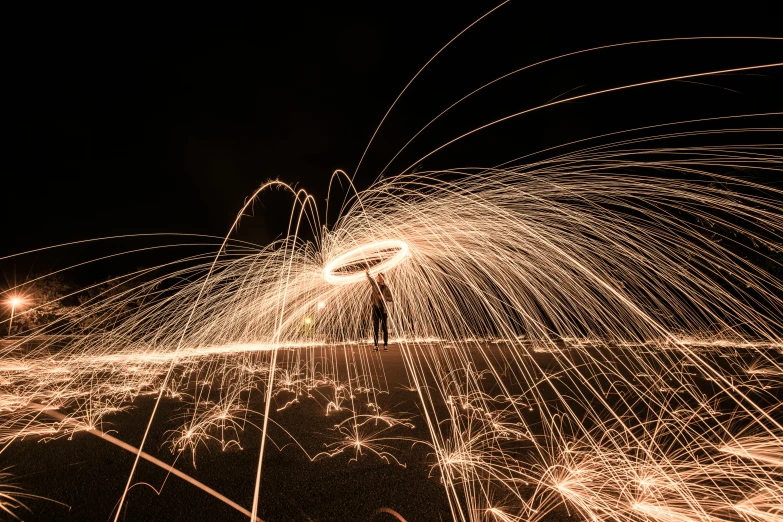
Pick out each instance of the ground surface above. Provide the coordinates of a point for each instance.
(89, 474)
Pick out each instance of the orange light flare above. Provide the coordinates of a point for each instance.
(15, 301)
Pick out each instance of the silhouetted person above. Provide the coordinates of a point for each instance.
(380, 293)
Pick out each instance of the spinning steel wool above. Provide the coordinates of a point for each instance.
(597, 330)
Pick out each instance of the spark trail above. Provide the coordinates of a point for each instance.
(596, 330)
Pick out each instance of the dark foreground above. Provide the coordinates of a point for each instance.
(88, 474)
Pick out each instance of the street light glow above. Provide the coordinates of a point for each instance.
(14, 302)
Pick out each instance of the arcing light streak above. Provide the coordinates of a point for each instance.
(599, 331)
(524, 256)
(169, 468)
(457, 285)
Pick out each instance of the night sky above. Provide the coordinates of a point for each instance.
(139, 121)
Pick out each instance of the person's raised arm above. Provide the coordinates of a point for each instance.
(375, 290)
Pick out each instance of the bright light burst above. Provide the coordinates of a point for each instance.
(597, 331)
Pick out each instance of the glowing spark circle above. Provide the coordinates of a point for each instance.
(349, 267)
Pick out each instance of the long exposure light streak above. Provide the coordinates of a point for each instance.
(335, 273)
(594, 330)
(149, 458)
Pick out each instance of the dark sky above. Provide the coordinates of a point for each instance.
(140, 121)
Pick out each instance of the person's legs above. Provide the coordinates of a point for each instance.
(385, 326)
(376, 322)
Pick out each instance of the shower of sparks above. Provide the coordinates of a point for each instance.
(598, 332)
